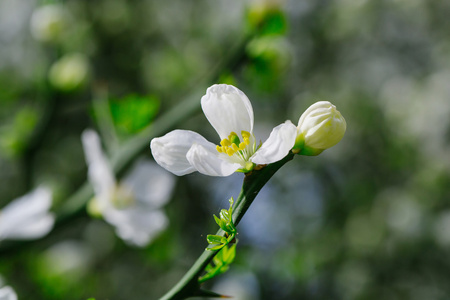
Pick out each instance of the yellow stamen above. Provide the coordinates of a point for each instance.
(233, 144)
(245, 134)
(225, 142)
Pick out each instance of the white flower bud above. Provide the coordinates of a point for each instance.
(70, 72)
(320, 127)
(49, 22)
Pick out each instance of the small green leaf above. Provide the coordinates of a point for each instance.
(214, 239)
(230, 229)
(231, 205)
(225, 215)
(223, 269)
(218, 260)
(229, 253)
(218, 221)
(222, 224)
(209, 268)
(218, 247)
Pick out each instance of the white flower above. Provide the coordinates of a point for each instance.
(27, 217)
(70, 72)
(49, 22)
(230, 113)
(320, 127)
(133, 205)
(7, 293)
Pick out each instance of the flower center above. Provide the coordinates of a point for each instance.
(233, 144)
(123, 197)
(239, 149)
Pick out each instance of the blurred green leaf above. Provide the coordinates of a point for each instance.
(133, 112)
(228, 254)
(267, 20)
(14, 136)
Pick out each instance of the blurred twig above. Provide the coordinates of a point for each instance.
(104, 118)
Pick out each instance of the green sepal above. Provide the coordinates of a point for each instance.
(307, 151)
(301, 149)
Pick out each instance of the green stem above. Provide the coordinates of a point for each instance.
(189, 285)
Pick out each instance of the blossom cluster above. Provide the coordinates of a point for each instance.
(230, 113)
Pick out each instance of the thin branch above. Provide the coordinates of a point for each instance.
(254, 181)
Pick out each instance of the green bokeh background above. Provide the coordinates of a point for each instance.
(366, 219)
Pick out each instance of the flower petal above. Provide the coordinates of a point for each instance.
(227, 109)
(207, 161)
(33, 228)
(170, 150)
(278, 145)
(7, 293)
(149, 183)
(138, 225)
(27, 217)
(100, 172)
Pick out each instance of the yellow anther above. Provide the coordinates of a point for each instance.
(225, 142)
(230, 152)
(235, 147)
(231, 135)
(247, 141)
(242, 146)
(219, 149)
(245, 134)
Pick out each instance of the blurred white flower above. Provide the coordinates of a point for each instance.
(7, 293)
(27, 217)
(352, 279)
(132, 205)
(231, 114)
(69, 72)
(69, 258)
(49, 22)
(320, 127)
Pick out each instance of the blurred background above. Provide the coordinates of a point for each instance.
(366, 219)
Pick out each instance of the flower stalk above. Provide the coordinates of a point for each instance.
(254, 181)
